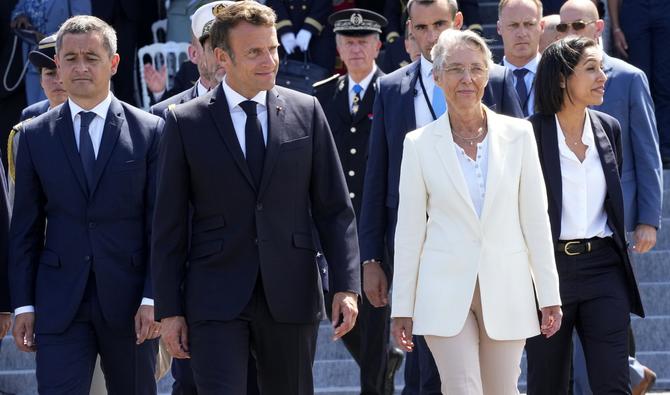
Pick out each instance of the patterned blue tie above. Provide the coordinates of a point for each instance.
(439, 103)
(86, 152)
(522, 89)
(357, 98)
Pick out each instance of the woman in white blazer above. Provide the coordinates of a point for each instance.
(473, 238)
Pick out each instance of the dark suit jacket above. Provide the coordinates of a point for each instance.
(237, 230)
(106, 9)
(34, 110)
(608, 141)
(5, 305)
(105, 230)
(180, 98)
(394, 116)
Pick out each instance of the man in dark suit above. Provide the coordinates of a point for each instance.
(406, 99)
(252, 281)
(87, 168)
(347, 101)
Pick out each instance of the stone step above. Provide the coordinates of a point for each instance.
(343, 373)
(326, 348)
(653, 266)
(659, 362)
(651, 333)
(12, 359)
(18, 382)
(663, 237)
(656, 298)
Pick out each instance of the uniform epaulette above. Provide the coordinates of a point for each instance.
(171, 107)
(11, 167)
(327, 80)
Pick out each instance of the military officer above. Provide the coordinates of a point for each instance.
(347, 101)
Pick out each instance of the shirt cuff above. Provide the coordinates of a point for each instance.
(147, 302)
(24, 309)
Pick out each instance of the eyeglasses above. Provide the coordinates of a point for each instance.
(576, 25)
(475, 70)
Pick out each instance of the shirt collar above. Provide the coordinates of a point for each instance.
(202, 90)
(426, 68)
(99, 110)
(530, 66)
(365, 82)
(234, 99)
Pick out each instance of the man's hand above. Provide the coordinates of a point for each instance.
(345, 304)
(175, 336)
(375, 284)
(644, 238)
(551, 320)
(401, 329)
(620, 42)
(155, 79)
(145, 326)
(20, 22)
(5, 324)
(24, 332)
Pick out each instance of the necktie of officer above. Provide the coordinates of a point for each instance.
(522, 89)
(439, 103)
(357, 98)
(255, 146)
(86, 152)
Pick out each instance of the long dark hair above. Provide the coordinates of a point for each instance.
(556, 65)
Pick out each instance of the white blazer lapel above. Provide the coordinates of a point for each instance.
(446, 152)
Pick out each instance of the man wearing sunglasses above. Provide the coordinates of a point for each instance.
(627, 98)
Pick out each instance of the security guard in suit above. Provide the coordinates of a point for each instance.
(348, 101)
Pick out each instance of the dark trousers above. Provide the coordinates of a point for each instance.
(284, 352)
(646, 24)
(421, 375)
(184, 384)
(368, 343)
(595, 303)
(65, 362)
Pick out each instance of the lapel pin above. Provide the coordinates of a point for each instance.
(279, 108)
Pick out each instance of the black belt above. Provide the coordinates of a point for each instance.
(582, 246)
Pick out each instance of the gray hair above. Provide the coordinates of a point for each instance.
(84, 24)
(450, 39)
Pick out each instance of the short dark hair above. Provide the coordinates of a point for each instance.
(248, 11)
(557, 63)
(453, 6)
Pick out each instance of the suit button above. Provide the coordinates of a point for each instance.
(352, 173)
(91, 225)
(352, 130)
(352, 151)
(256, 241)
(352, 195)
(87, 258)
(259, 206)
(304, 7)
(291, 7)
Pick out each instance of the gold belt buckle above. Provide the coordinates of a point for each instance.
(565, 248)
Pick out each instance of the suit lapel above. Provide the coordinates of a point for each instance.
(276, 108)
(446, 150)
(110, 134)
(552, 162)
(497, 148)
(66, 133)
(342, 100)
(218, 107)
(407, 93)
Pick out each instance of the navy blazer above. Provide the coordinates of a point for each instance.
(239, 231)
(627, 99)
(180, 98)
(34, 110)
(105, 230)
(394, 116)
(607, 134)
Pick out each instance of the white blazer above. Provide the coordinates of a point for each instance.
(442, 246)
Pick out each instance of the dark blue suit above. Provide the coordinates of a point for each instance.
(34, 110)
(394, 116)
(87, 275)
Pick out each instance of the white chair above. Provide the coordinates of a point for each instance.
(158, 26)
(170, 54)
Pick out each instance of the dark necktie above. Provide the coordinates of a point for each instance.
(357, 99)
(521, 89)
(86, 151)
(255, 146)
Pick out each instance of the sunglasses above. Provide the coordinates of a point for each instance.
(576, 25)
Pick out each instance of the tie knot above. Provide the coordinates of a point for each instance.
(249, 107)
(86, 118)
(358, 89)
(520, 73)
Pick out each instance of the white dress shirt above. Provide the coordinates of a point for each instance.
(529, 79)
(583, 213)
(201, 89)
(95, 129)
(239, 117)
(421, 109)
(365, 82)
(475, 172)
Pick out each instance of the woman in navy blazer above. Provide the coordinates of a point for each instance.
(579, 152)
